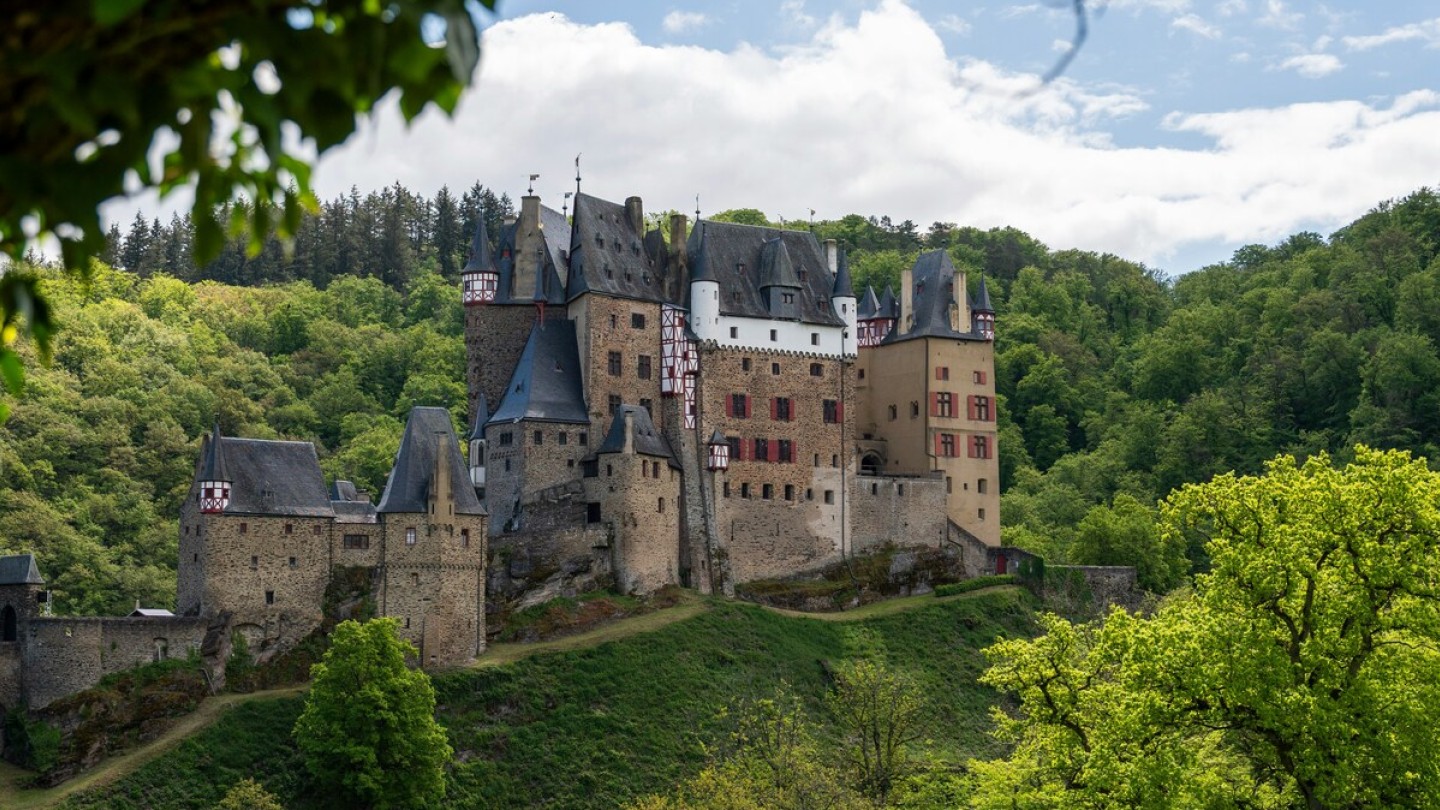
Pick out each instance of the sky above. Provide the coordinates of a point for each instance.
(1182, 130)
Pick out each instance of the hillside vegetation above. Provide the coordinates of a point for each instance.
(1117, 385)
(595, 728)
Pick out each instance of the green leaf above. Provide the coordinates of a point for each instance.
(109, 12)
(12, 371)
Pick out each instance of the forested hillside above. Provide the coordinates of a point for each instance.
(1118, 384)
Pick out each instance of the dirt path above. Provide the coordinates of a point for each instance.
(13, 797)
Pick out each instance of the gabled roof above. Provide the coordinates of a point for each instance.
(412, 479)
(609, 255)
(556, 231)
(843, 287)
(731, 255)
(646, 440)
(934, 280)
(869, 305)
(274, 478)
(545, 385)
(20, 569)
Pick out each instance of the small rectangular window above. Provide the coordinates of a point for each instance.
(254, 562)
(739, 406)
(294, 563)
(613, 362)
(817, 370)
(289, 528)
(982, 486)
(539, 437)
(269, 597)
(637, 320)
(814, 338)
(643, 368)
(774, 335)
(592, 513)
(762, 450)
(464, 538)
(789, 492)
(775, 369)
(978, 377)
(744, 364)
(660, 505)
(745, 490)
(942, 372)
(614, 404)
(829, 496)
(781, 409)
(648, 405)
(735, 330)
(563, 437)
(786, 452)
(506, 439)
(410, 536)
(767, 491)
(584, 438)
(357, 541)
(726, 489)
(832, 411)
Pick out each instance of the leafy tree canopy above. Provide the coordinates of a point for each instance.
(368, 731)
(1303, 671)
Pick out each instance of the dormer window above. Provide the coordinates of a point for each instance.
(740, 268)
(600, 240)
(801, 274)
(787, 298)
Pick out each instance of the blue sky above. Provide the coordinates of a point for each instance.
(1182, 130)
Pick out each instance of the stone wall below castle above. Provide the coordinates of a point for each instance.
(62, 656)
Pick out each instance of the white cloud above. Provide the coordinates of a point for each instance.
(1276, 16)
(872, 116)
(794, 12)
(953, 23)
(1229, 8)
(1195, 25)
(1313, 65)
(678, 22)
(1427, 32)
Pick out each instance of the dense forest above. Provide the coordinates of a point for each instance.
(1118, 384)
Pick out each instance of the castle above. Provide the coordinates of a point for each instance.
(709, 409)
(778, 421)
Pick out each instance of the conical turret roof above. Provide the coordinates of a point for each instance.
(480, 259)
(843, 288)
(982, 299)
(869, 305)
(212, 468)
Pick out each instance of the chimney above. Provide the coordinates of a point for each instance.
(529, 213)
(635, 212)
(441, 491)
(629, 447)
(961, 299)
(832, 256)
(907, 300)
(678, 259)
(529, 248)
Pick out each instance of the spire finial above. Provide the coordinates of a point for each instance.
(577, 173)
(697, 207)
(565, 205)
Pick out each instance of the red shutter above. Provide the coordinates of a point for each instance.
(840, 412)
(970, 404)
(937, 372)
(970, 447)
(729, 405)
(981, 379)
(740, 450)
(939, 448)
(774, 407)
(934, 403)
(747, 406)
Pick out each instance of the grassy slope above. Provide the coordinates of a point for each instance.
(593, 727)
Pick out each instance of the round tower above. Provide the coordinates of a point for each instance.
(842, 297)
(213, 484)
(704, 293)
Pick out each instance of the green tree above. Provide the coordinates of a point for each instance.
(90, 84)
(881, 713)
(247, 794)
(368, 730)
(1304, 671)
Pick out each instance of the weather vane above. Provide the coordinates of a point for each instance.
(531, 190)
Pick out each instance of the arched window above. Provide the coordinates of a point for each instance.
(870, 464)
(8, 631)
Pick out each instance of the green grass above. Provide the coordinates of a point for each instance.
(976, 584)
(595, 727)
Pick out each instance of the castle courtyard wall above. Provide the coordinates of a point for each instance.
(64, 655)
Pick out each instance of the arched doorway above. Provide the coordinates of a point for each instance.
(8, 630)
(870, 464)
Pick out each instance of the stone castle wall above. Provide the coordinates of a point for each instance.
(639, 499)
(65, 655)
(604, 325)
(495, 335)
(434, 586)
(269, 572)
(904, 510)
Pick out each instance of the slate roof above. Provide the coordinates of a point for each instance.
(933, 292)
(150, 613)
(982, 299)
(482, 415)
(212, 460)
(481, 260)
(776, 269)
(869, 305)
(889, 305)
(274, 478)
(556, 230)
(843, 288)
(20, 569)
(349, 506)
(647, 440)
(718, 249)
(427, 431)
(608, 255)
(545, 385)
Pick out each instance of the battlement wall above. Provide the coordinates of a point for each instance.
(64, 655)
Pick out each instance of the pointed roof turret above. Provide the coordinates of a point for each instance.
(480, 259)
(776, 269)
(889, 305)
(212, 467)
(869, 305)
(843, 288)
(482, 415)
(700, 264)
(644, 438)
(20, 569)
(982, 298)
(429, 441)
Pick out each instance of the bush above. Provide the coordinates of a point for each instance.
(976, 584)
(32, 744)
